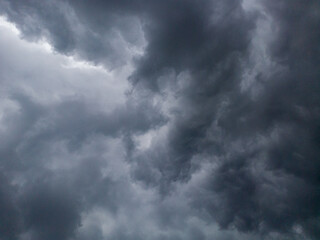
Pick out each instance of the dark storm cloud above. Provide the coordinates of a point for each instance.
(267, 186)
(195, 37)
(286, 192)
(207, 40)
(244, 113)
(50, 213)
(9, 215)
(285, 115)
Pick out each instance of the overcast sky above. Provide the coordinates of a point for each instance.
(159, 119)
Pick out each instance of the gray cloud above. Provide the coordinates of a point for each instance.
(187, 120)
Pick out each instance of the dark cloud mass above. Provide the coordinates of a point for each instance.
(172, 119)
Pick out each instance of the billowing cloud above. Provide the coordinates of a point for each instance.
(169, 119)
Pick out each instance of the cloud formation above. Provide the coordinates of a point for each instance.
(172, 119)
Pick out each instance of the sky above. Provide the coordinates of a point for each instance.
(159, 120)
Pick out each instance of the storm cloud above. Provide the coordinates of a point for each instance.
(173, 119)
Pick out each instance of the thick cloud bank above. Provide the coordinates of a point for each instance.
(147, 119)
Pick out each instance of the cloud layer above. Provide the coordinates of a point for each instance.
(172, 119)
